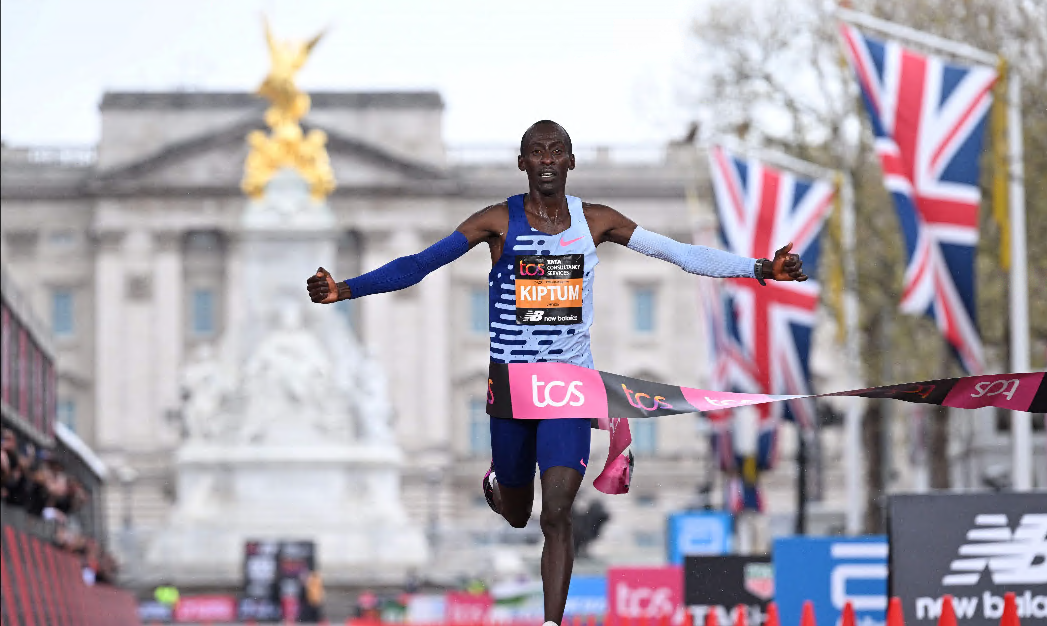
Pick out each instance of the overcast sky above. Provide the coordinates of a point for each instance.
(605, 69)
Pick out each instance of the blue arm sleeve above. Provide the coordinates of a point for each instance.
(409, 270)
(694, 259)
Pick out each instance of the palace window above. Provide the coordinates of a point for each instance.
(479, 427)
(478, 310)
(203, 312)
(643, 309)
(62, 313)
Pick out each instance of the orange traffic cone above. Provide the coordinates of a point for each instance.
(895, 617)
(739, 615)
(772, 615)
(710, 617)
(847, 619)
(807, 617)
(1010, 610)
(948, 615)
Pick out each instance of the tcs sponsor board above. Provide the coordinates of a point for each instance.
(975, 547)
(650, 593)
(830, 572)
(722, 584)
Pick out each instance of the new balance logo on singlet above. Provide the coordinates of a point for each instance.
(534, 316)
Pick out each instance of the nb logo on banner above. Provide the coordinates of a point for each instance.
(547, 394)
(1018, 558)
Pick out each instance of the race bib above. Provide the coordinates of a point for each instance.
(549, 289)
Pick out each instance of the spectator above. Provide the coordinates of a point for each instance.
(38, 482)
(312, 598)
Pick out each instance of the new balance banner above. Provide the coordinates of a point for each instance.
(723, 583)
(565, 391)
(830, 572)
(975, 547)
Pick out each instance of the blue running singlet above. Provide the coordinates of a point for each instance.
(541, 291)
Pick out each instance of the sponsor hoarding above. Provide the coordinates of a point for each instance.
(213, 608)
(699, 533)
(468, 608)
(831, 571)
(587, 595)
(644, 593)
(974, 547)
(722, 583)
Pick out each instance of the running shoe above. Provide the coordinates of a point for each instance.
(488, 486)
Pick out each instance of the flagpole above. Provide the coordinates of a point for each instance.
(904, 32)
(1021, 422)
(853, 417)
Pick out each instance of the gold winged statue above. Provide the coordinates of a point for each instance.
(286, 146)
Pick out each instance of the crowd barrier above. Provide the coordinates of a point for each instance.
(894, 617)
(41, 585)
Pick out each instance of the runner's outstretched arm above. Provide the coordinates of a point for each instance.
(610, 225)
(407, 271)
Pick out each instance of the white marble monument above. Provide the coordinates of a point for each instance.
(287, 420)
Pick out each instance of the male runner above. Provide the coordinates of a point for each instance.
(540, 233)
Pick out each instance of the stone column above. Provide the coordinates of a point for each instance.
(140, 415)
(234, 310)
(434, 335)
(168, 328)
(109, 320)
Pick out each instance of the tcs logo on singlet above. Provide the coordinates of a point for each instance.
(527, 267)
(634, 399)
(543, 397)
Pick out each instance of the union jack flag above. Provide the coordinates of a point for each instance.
(760, 336)
(928, 118)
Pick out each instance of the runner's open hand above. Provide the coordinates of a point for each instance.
(324, 290)
(786, 266)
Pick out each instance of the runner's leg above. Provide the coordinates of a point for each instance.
(563, 453)
(559, 488)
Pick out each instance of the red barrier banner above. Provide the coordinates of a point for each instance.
(42, 585)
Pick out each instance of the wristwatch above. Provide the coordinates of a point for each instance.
(763, 270)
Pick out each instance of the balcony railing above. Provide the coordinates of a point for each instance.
(59, 156)
(505, 155)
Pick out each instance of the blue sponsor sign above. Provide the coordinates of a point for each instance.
(699, 533)
(587, 595)
(831, 571)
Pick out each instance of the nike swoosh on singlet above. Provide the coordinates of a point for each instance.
(567, 243)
